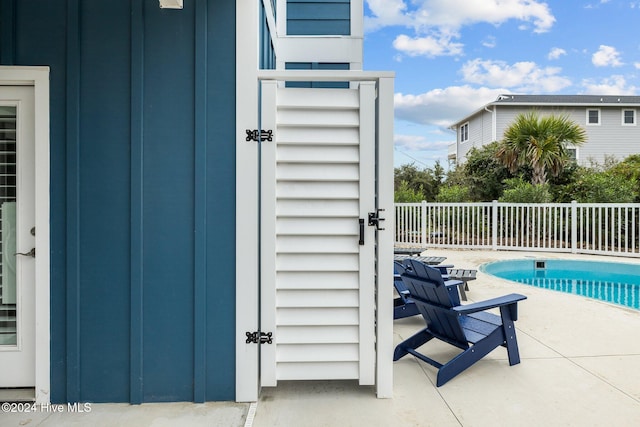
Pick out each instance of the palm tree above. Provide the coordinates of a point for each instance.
(540, 142)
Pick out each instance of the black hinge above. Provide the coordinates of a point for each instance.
(259, 135)
(259, 337)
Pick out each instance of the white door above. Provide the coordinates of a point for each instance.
(317, 285)
(17, 236)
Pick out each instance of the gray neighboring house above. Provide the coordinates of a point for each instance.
(611, 123)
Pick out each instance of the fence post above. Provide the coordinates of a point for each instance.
(574, 227)
(494, 225)
(423, 223)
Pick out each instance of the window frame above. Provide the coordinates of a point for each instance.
(599, 116)
(635, 117)
(464, 130)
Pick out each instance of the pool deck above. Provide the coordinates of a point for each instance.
(580, 366)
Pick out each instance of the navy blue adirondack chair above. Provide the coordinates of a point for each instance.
(468, 327)
(402, 305)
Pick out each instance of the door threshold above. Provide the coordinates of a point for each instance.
(17, 394)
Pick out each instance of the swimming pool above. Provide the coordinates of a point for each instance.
(618, 283)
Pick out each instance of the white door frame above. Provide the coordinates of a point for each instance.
(38, 77)
(247, 300)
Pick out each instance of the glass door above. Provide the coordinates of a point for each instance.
(17, 236)
(8, 323)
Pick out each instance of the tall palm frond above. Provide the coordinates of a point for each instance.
(539, 142)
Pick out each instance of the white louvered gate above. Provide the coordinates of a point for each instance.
(317, 267)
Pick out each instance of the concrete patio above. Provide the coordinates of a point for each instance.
(580, 367)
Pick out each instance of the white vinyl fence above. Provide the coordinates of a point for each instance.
(609, 229)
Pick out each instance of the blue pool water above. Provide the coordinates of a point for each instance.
(612, 282)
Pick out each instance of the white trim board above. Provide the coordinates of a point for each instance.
(247, 308)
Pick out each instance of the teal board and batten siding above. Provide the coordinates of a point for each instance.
(318, 17)
(142, 194)
(317, 66)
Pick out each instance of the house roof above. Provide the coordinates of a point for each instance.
(567, 99)
(556, 100)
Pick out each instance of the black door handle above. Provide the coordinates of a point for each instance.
(31, 253)
(361, 221)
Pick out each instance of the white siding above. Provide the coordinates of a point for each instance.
(480, 133)
(610, 138)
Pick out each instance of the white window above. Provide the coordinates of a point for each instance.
(464, 132)
(573, 154)
(628, 117)
(593, 116)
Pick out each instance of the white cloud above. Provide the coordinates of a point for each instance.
(418, 149)
(594, 6)
(387, 13)
(556, 53)
(427, 46)
(637, 65)
(419, 143)
(606, 56)
(614, 85)
(442, 107)
(450, 15)
(523, 76)
(489, 41)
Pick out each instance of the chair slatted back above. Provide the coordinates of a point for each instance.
(398, 270)
(434, 300)
(423, 270)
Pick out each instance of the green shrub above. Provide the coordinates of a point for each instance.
(629, 170)
(425, 182)
(520, 191)
(600, 187)
(484, 173)
(406, 194)
(454, 193)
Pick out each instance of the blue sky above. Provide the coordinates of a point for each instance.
(451, 57)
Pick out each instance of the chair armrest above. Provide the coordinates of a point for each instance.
(488, 304)
(452, 282)
(443, 268)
